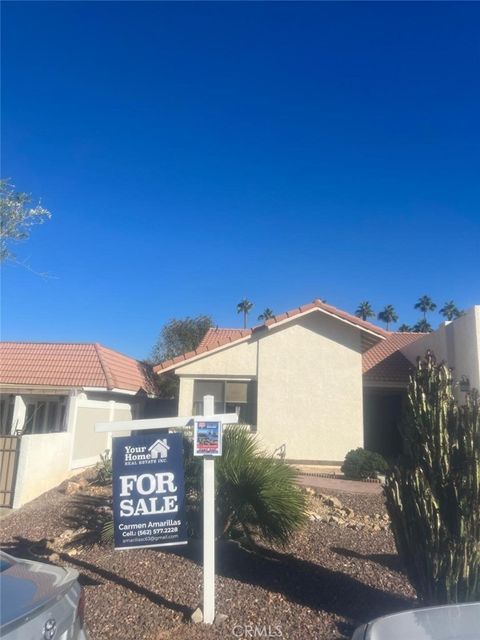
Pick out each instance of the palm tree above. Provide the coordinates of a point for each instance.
(425, 304)
(450, 311)
(244, 306)
(388, 315)
(365, 311)
(266, 315)
(423, 326)
(405, 328)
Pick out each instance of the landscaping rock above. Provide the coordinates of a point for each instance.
(197, 616)
(72, 487)
(331, 501)
(220, 618)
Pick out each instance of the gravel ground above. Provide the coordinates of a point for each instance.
(330, 579)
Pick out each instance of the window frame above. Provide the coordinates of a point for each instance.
(250, 408)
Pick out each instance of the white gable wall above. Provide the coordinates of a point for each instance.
(238, 361)
(309, 375)
(310, 389)
(456, 342)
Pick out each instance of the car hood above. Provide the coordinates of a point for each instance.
(448, 622)
(28, 586)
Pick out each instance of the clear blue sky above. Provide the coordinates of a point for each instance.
(194, 154)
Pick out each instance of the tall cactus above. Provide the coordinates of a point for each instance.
(433, 496)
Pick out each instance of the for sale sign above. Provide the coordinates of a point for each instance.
(207, 438)
(148, 491)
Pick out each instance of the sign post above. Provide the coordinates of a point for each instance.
(208, 442)
(208, 523)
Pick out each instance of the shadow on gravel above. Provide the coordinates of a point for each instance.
(301, 581)
(23, 548)
(389, 560)
(88, 514)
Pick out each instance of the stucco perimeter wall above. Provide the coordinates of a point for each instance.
(185, 396)
(87, 443)
(236, 361)
(42, 465)
(310, 389)
(458, 343)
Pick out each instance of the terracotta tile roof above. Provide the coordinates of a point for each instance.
(384, 362)
(216, 338)
(71, 365)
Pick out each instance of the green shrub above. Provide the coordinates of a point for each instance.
(361, 464)
(433, 497)
(256, 495)
(104, 468)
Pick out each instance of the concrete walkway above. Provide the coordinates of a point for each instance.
(334, 484)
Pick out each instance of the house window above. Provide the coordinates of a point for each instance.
(231, 396)
(45, 416)
(213, 388)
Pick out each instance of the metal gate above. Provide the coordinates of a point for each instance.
(9, 452)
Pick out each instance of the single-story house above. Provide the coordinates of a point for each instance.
(316, 381)
(51, 397)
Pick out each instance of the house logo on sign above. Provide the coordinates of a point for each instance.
(156, 452)
(159, 449)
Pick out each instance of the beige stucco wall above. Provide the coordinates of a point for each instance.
(309, 375)
(43, 464)
(122, 414)
(185, 396)
(458, 343)
(87, 443)
(239, 360)
(310, 389)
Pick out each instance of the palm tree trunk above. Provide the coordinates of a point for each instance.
(244, 319)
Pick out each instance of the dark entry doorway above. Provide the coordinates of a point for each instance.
(382, 413)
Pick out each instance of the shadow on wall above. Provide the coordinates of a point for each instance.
(160, 408)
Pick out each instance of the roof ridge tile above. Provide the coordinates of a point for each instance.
(109, 379)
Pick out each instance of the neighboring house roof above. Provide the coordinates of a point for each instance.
(219, 338)
(386, 363)
(71, 365)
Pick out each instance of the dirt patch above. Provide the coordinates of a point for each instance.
(331, 577)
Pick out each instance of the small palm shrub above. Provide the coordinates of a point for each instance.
(433, 497)
(361, 464)
(104, 468)
(256, 495)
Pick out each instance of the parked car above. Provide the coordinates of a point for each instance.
(39, 601)
(449, 622)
